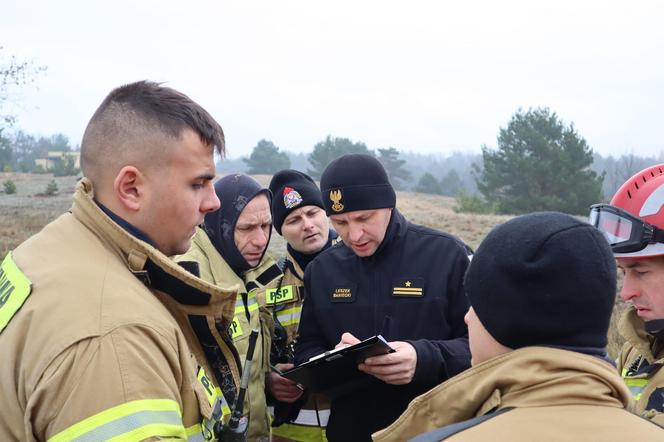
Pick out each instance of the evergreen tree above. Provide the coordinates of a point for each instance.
(330, 149)
(266, 159)
(428, 184)
(451, 184)
(395, 167)
(540, 164)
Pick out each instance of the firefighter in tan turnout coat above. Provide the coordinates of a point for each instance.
(101, 334)
(541, 289)
(299, 216)
(229, 251)
(633, 223)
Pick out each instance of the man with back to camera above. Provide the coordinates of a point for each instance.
(299, 216)
(101, 334)
(389, 277)
(633, 223)
(541, 288)
(229, 251)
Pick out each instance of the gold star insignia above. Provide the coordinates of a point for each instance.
(408, 283)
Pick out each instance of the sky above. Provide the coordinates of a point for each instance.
(420, 76)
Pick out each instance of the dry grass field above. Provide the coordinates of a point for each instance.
(26, 212)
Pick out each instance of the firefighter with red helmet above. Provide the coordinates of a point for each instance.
(633, 223)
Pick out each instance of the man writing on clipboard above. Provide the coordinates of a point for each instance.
(389, 277)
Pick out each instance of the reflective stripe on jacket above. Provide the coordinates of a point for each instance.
(640, 365)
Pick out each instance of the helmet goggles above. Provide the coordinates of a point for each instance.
(625, 232)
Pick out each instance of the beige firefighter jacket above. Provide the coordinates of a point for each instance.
(557, 395)
(287, 307)
(251, 285)
(640, 365)
(102, 337)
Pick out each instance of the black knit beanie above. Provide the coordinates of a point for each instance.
(234, 192)
(292, 189)
(356, 182)
(544, 279)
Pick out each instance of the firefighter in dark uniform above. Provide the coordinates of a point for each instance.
(389, 277)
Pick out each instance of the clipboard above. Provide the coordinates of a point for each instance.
(335, 372)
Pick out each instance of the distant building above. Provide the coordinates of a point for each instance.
(56, 157)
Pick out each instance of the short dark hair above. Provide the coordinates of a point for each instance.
(133, 112)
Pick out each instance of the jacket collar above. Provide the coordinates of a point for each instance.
(632, 328)
(396, 229)
(152, 267)
(528, 377)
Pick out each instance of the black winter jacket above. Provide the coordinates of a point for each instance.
(379, 295)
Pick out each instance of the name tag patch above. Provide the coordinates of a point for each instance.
(15, 288)
(408, 287)
(278, 296)
(344, 293)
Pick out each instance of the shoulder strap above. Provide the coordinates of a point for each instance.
(449, 430)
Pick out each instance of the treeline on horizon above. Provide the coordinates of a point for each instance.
(539, 163)
(454, 172)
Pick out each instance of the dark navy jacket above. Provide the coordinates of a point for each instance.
(410, 289)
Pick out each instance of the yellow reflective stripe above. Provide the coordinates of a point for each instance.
(133, 420)
(15, 288)
(252, 303)
(239, 310)
(145, 432)
(290, 316)
(635, 385)
(195, 433)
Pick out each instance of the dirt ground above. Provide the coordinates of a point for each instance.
(24, 213)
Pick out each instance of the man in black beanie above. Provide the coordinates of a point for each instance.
(299, 216)
(541, 288)
(229, 251)
(389, 277)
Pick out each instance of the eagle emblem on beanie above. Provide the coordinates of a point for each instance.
(335, 197)
(292, 197)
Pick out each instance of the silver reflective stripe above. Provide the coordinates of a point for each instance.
(635, 390)
(196, 437)
(308, 417)
(131, 422)
(251, 300)
(290, 317)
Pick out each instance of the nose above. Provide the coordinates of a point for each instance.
(629, 289)
(260, 239)
(211, 201)
(308, 224)
(355, 233)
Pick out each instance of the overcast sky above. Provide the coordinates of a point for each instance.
(421, 76)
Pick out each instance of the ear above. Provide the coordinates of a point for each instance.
(129, 187)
